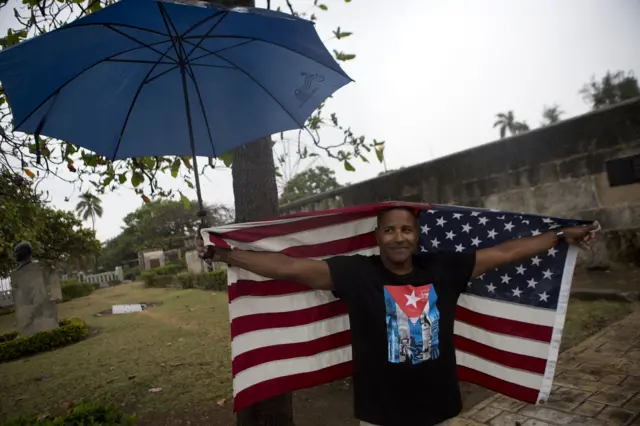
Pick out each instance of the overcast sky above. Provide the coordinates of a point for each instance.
(431, 75)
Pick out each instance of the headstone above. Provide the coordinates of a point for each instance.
(195, 265)
(125, 309)
(120, 273)
(34, 309)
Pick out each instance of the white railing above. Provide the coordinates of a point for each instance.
(103, 278)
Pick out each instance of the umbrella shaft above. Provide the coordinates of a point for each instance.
(202, 212)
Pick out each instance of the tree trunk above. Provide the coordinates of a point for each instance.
(256, 197)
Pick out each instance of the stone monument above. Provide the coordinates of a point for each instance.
(52, 281)
(34, 309)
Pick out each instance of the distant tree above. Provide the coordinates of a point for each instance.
(89, 206)
(57, 236)
(316, 180)
(611, 89)
(162, 224)
(551, 114)
(507, 122)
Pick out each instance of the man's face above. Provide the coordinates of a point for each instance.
(397, 235)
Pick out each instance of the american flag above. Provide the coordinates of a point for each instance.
(286, 336)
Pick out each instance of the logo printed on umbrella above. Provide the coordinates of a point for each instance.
(305, 92)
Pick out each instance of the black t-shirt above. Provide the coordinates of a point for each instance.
(404, 362)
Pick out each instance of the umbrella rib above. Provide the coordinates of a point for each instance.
(107, 24)
(133, 103)
(217, 51)
(76, 76)
(197, 24)
(204, 114)
(133, 61)
(136, 40)
(162, 73)
(339, 71)
(202, 38)
(264, 89)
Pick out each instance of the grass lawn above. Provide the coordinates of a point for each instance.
(181, 346)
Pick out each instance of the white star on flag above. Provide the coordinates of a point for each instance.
(552, 252)
(483, 220)
(466, 228)
(491, 288)
(547, 274)
(536, 261)
(425, 229)
(412, 299)
(532, 283)
(450, 235)
(505, 279)
(521, 269)
(441, 221)
(492, 234)
(508, 226)
(543, 296)
(516, 292)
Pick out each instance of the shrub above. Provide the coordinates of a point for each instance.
(8, 336)
(71, 330)
(115, 282)
(131, 273)
(73, 288)
(152, 279)
(214, 280)
(82, 414)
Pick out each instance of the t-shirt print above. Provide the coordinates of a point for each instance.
(412, 323)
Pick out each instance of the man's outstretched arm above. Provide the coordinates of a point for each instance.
(313, 273)
(525, 248)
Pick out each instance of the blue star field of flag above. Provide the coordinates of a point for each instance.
(533, 282)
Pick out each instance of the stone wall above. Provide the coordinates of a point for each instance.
(557, 170)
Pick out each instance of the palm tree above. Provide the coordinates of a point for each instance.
(508, 122)
(89, 206)
(551, 114)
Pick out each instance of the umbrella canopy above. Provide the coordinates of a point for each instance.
(146, 78)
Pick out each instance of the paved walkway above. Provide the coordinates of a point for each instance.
(597, 383)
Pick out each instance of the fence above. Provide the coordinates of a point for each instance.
(103, 278)
(6, 295)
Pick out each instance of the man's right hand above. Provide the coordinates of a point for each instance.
(205, 252)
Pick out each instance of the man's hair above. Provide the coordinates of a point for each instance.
(413, 212)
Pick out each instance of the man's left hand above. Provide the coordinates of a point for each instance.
(582, 236)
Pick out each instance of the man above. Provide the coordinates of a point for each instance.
(401, 310)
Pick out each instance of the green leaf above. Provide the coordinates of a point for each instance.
(348, 167)
(363, 158)
(380, 154)
(175, 168)
(189, 184)
(323, 7)
(122, 178)
(227, 158)
(341, 56)
(108, 180)
(341, 34)
(185, 201)
(136, 179)
(95, 6)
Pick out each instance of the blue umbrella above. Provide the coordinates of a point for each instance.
(152, 78)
